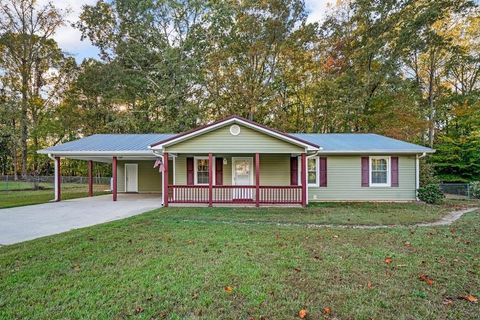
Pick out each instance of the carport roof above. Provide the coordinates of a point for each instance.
(109, 143)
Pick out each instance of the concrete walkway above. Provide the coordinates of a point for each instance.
(444, 221)
(31, 222)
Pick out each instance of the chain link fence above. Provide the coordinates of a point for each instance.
(8, 183)
(456, 190)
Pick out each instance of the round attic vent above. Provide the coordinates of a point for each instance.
(235, 130)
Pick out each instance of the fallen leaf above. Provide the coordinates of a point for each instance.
(407, 244)
(327, 310)
(426, 279)
(302, 314)
(447, 301)
(297, 269)
(138, 310)
(471, 298)
(228, 289)
(388, 260)
(369, 285)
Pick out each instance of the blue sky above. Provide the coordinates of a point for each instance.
(68, 37)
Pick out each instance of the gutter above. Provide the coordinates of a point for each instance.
(97, 153)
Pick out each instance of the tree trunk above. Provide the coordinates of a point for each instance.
(24, 125)
(431, 106)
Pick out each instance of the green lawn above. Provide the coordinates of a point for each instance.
(22, 185)
(10, 199)
(157, 266)
(325, 213)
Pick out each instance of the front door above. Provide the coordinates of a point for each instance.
(131, 177)
(242, 176)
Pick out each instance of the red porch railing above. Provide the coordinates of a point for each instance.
(235, 194)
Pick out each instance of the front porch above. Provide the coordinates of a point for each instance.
(235, 179)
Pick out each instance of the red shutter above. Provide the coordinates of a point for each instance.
(218, 171)
(365, 172)
(294, 171)
(190, 171)
(394, 171)
(323, 171)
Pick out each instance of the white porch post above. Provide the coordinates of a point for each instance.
(57, 179)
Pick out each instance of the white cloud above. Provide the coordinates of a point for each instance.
(318, 9)
(68, 37)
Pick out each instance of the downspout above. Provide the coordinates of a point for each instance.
(306, 166)
(417, 174)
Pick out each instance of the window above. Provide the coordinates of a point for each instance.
(201, 170)
(312, 171)
(380, 171)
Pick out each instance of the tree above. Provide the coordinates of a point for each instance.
(25, 31)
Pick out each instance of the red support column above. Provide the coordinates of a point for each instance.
(58, 196)
(210, 182)
(257, 179)
(304, 179)
(114, 175)
(90, 178)
(165, 179)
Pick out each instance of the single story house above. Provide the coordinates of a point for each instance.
(237, 161)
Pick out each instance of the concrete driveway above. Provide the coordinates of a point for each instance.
(31, 222)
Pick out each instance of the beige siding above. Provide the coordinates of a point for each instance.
(149, 179)
(274, 169)
(221, 141)
(344, 182)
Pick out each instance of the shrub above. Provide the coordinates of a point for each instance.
(475, 189)
(430, 193)
(427, 173)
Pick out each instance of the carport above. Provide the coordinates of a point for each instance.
(125, 152)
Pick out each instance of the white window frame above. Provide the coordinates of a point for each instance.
(317, 170)
(389, 171)
(195, 167)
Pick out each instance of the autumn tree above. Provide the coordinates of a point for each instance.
(25, 32)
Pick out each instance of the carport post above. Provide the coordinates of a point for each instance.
(58, 180)
(165, 179)
(114, 175)
(90, 178)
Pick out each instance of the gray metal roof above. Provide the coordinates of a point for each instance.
(109, 142)
(332, 142)
(360, 142)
